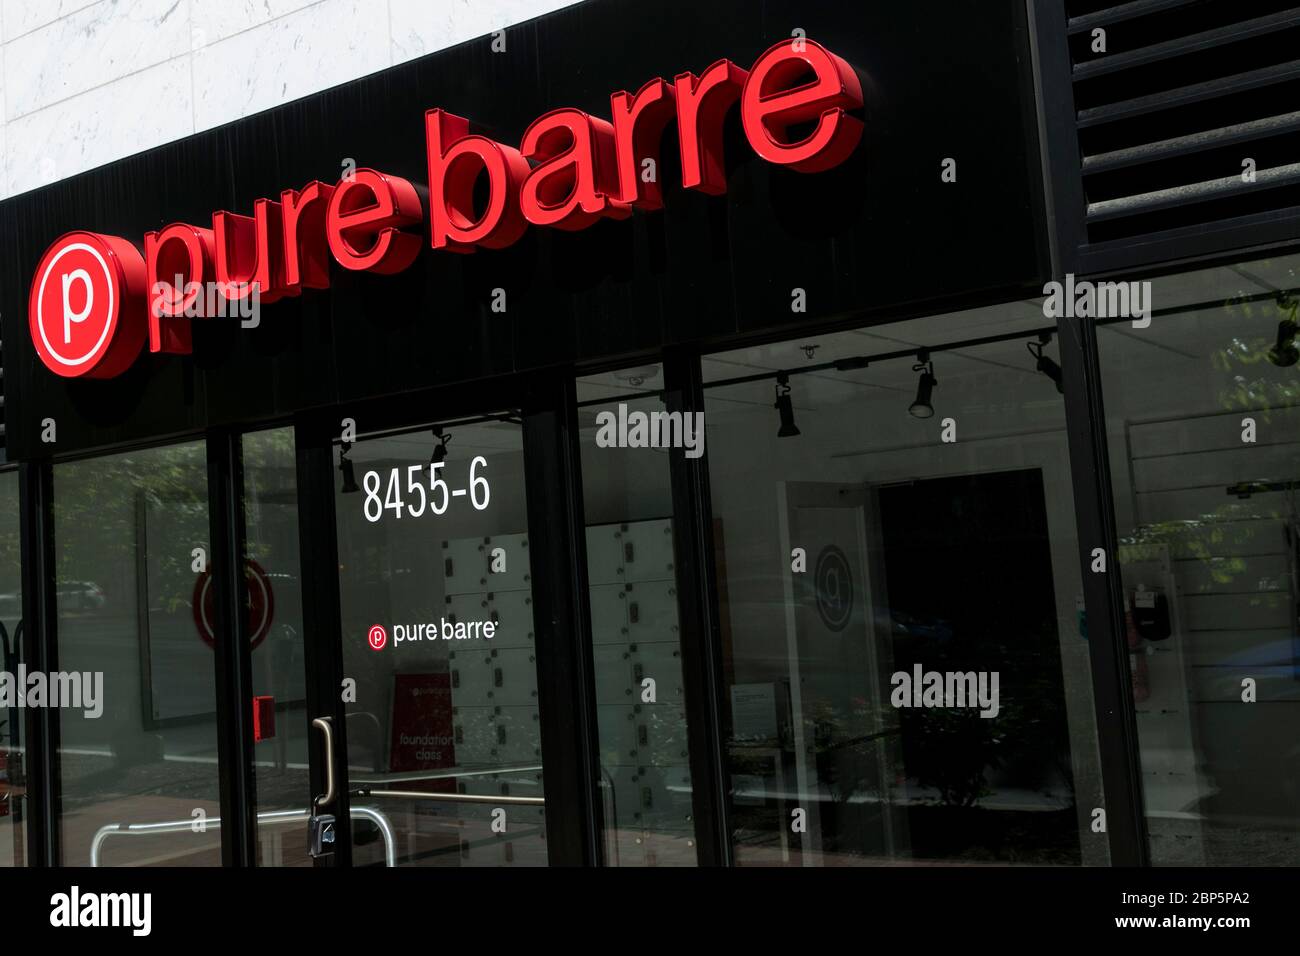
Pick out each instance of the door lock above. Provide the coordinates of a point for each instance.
(320, 834)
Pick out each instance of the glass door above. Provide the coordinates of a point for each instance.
(443, 735)
(138, 773)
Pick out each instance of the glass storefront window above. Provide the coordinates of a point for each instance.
(129, 530)
(1203, 422)
(905, 653)
(12, 724)
(900, 595)
(632, 587)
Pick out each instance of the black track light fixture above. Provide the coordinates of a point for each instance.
(1045, 363)
(347, 470)
(921, 408)
(440, 449)
(784, 407)
(1285, 353)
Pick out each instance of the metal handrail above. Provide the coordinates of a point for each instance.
(269, 816)
(366, 813)
(450, 797)
(410, 776)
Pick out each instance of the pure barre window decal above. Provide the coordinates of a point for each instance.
(95, 299)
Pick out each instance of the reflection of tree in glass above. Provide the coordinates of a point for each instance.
(269, 478)
(1253, 385)
(97, 509)
(1216, 541)
(10, 551)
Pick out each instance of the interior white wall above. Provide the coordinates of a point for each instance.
(86, 83)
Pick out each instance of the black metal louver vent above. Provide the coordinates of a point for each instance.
(1187, 114)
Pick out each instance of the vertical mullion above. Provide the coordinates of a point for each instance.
(40, 653)
(1085, 419)
(1112, 684)
(322, 623)
(232, 654)
(565, 682)
(1058, 132)
(697, 600)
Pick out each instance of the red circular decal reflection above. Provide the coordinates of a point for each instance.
(261, 605)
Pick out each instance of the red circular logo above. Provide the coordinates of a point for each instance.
(261, 605)
(86, 309)
(377, 637)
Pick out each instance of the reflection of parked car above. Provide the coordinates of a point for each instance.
(901, 624)
(1274, 666)
(81, 596)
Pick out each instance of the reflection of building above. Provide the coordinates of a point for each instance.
(910, 460)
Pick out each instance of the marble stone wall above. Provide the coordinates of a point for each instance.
(85, 83)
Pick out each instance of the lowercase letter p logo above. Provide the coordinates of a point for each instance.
(377, 637)
(86, 308)
(69, 316)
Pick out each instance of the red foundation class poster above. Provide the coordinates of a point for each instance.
(422, 730)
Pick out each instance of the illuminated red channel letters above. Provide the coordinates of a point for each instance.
(95, 300)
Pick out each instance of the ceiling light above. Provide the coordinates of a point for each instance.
(1045, 364)
(784, 407)
(921, 408)
(439, 450)
(347, 471)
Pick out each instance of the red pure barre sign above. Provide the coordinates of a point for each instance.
(95, 300)
(571, 168)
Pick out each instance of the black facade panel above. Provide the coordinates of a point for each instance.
(881, 233)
